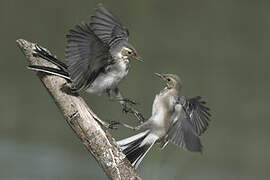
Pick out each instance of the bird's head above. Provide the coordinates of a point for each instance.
(171, 80)
(129, 52)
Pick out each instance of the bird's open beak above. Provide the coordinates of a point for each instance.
(159, 75)
(137, 58)
(163, 77)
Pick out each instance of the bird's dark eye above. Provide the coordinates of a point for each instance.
(129, 52)
(168, 79)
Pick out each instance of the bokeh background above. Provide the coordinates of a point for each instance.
(220, 48)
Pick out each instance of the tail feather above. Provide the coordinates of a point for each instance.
(124, 143)
(137, 146)
(40, 52)
(139, 154)
(50, 70)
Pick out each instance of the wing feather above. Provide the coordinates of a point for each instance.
(86, 56)
(107, 27)
(181, 132)
(190, 119)
(198, 112)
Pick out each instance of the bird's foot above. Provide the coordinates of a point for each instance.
(129, 101)
(116, 124)
(113, 125)
(127, 108)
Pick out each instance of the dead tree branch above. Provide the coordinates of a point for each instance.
(83, 121)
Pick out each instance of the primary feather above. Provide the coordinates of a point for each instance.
(107, 27)
(86, 56)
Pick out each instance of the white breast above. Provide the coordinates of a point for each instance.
(158, 118)
(162, 112)
(110, 79)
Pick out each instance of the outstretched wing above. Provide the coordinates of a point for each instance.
(197, 111)
(86, 56)
(107, 27)
(189, 121)
(181, 132)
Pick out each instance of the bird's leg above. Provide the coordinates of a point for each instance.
(123, 100)
(136, 128)
(111, 125)
(109, 93)
(126, 104)
(128, 101)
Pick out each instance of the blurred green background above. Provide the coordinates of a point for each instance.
(219, 48)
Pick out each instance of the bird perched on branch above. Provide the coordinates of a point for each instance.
(175, 118)
(97, 56)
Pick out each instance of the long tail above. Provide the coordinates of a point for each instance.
(136, 147)
(42, 53)
(49, 70)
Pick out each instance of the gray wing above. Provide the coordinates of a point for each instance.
(107, 27)
(197, 111)
(86, 56)
(181, 132)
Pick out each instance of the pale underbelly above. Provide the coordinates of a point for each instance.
(160, 117)
(160, 124)
(105, 82)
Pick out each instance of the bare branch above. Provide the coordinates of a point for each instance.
(83, 121)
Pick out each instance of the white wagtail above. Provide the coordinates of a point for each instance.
(174, 118)
(97, 56)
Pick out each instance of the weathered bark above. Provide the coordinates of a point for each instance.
(83, 121)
